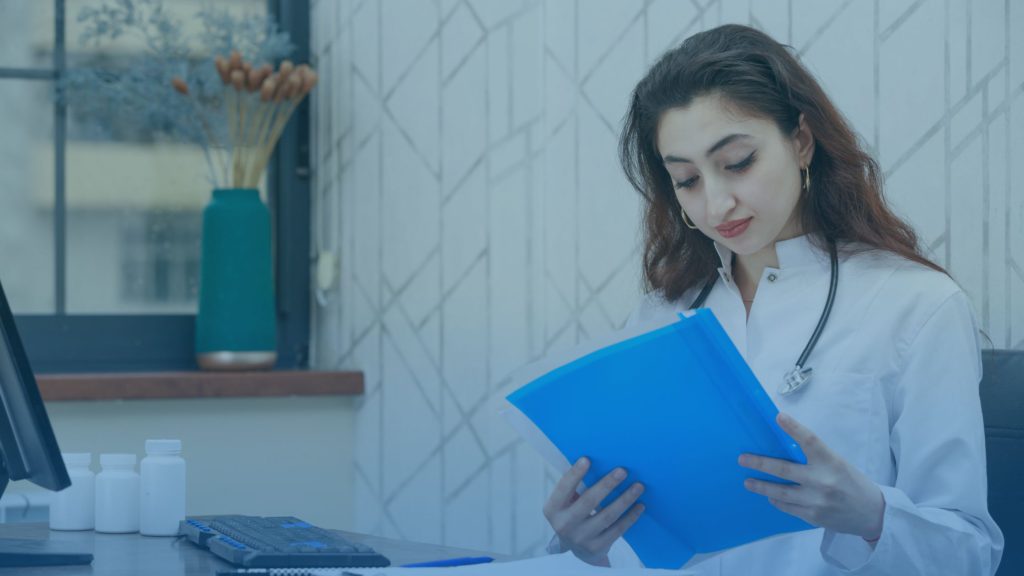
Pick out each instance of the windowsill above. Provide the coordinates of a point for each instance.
(198, 384)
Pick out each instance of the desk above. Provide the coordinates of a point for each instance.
(135, 555)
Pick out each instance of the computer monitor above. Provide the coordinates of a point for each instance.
(28, 448)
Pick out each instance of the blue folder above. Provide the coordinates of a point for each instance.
(676, 407)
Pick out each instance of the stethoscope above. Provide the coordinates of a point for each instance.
(799, 375)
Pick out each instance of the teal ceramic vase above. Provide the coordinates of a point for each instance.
(236, 326)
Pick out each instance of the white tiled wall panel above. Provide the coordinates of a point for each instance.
(466, 177)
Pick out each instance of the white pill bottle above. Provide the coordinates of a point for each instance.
(162, 498)
(117, 494)
(73, 507)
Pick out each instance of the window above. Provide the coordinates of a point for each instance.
(158, 261)
(100, 232)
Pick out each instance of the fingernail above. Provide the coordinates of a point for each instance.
(582, 462)
(640, 508)
(619, 473)
(638, 488)
(744, 460)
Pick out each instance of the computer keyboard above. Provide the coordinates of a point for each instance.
(277, 542)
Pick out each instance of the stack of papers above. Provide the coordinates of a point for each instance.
(675, 406)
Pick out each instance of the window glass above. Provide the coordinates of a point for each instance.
(27, 188)
(135, 188)
(26, 34)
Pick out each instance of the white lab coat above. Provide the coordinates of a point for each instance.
(894, 392)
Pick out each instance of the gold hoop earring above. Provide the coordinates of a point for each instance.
(807, 178)
(687, 220)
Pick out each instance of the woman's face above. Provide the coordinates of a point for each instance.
(737, 177)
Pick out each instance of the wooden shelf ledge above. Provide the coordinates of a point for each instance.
(150, 385)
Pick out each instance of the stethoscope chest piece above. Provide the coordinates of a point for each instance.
(794, 380)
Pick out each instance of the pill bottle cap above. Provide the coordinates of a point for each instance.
(156, 447)
(77, 458)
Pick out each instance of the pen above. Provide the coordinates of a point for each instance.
(451, 562)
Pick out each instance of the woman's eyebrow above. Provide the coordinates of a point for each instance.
(723, 142)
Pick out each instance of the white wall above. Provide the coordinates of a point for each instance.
(466, 175)
(287, 456)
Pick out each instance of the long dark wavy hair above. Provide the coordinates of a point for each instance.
(761, 77)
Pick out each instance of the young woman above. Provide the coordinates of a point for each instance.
(761, 205)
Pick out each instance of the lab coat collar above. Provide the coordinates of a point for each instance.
(793, 253)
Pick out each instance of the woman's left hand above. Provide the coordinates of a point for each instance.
(829, 492)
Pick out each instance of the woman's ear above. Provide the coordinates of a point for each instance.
(803, 142)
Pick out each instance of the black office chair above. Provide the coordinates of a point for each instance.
(1002, 401)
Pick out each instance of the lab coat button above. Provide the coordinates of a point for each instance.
(772, 277)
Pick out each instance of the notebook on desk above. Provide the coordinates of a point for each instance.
(675, 406)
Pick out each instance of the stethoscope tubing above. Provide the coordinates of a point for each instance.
(833, 282)
(825, 313)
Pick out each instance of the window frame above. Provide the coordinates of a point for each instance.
(63, 343)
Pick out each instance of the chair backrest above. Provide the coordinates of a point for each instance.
(1002, 401)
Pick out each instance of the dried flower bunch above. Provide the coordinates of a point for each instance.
(257, 102)
(178, 89)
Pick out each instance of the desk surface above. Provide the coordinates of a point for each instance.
(135, 555)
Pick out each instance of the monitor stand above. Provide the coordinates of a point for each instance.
(18, 552)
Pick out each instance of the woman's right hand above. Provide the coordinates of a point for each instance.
(579, 525)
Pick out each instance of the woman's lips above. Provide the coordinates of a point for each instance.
(734, 228)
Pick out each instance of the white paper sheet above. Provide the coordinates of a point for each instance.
(560, 564)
